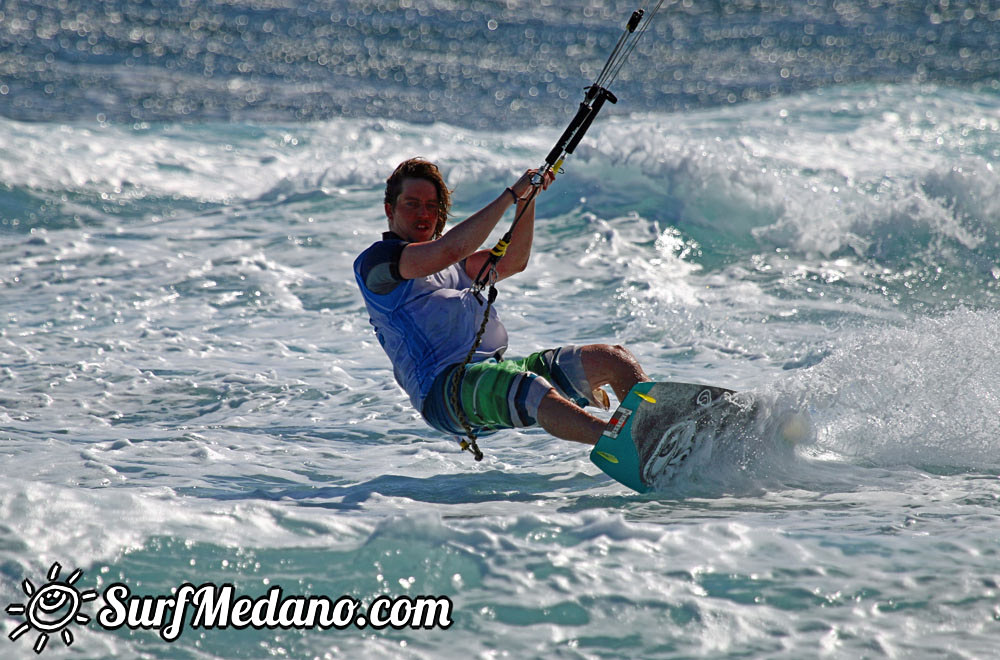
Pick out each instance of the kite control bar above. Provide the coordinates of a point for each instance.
(585, 115)
(597, 95)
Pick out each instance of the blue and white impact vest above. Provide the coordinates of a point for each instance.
(425, 324)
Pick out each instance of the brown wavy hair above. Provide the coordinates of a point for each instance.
(418, 168)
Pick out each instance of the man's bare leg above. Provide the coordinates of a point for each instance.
(604, 364)
(564, 419)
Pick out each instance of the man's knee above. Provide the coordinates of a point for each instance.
(622, 353)
(615, 365)
(613, 352)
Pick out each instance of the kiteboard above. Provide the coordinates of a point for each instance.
(659, 425)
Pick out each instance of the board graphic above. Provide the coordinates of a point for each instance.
(657, 427)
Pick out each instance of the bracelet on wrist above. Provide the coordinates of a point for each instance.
(514, 195)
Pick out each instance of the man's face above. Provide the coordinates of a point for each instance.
(414, 216)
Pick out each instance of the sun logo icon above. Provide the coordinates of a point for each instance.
(51, 608)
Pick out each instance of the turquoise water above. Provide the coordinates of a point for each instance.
(190, 390)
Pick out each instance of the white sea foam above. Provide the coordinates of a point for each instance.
(922, 394)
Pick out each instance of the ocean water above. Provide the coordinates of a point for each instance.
(794, 198)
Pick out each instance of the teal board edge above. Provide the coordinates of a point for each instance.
(615, 453)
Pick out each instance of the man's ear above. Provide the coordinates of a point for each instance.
(388, 211)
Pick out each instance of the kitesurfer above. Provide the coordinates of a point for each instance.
(417, 285)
